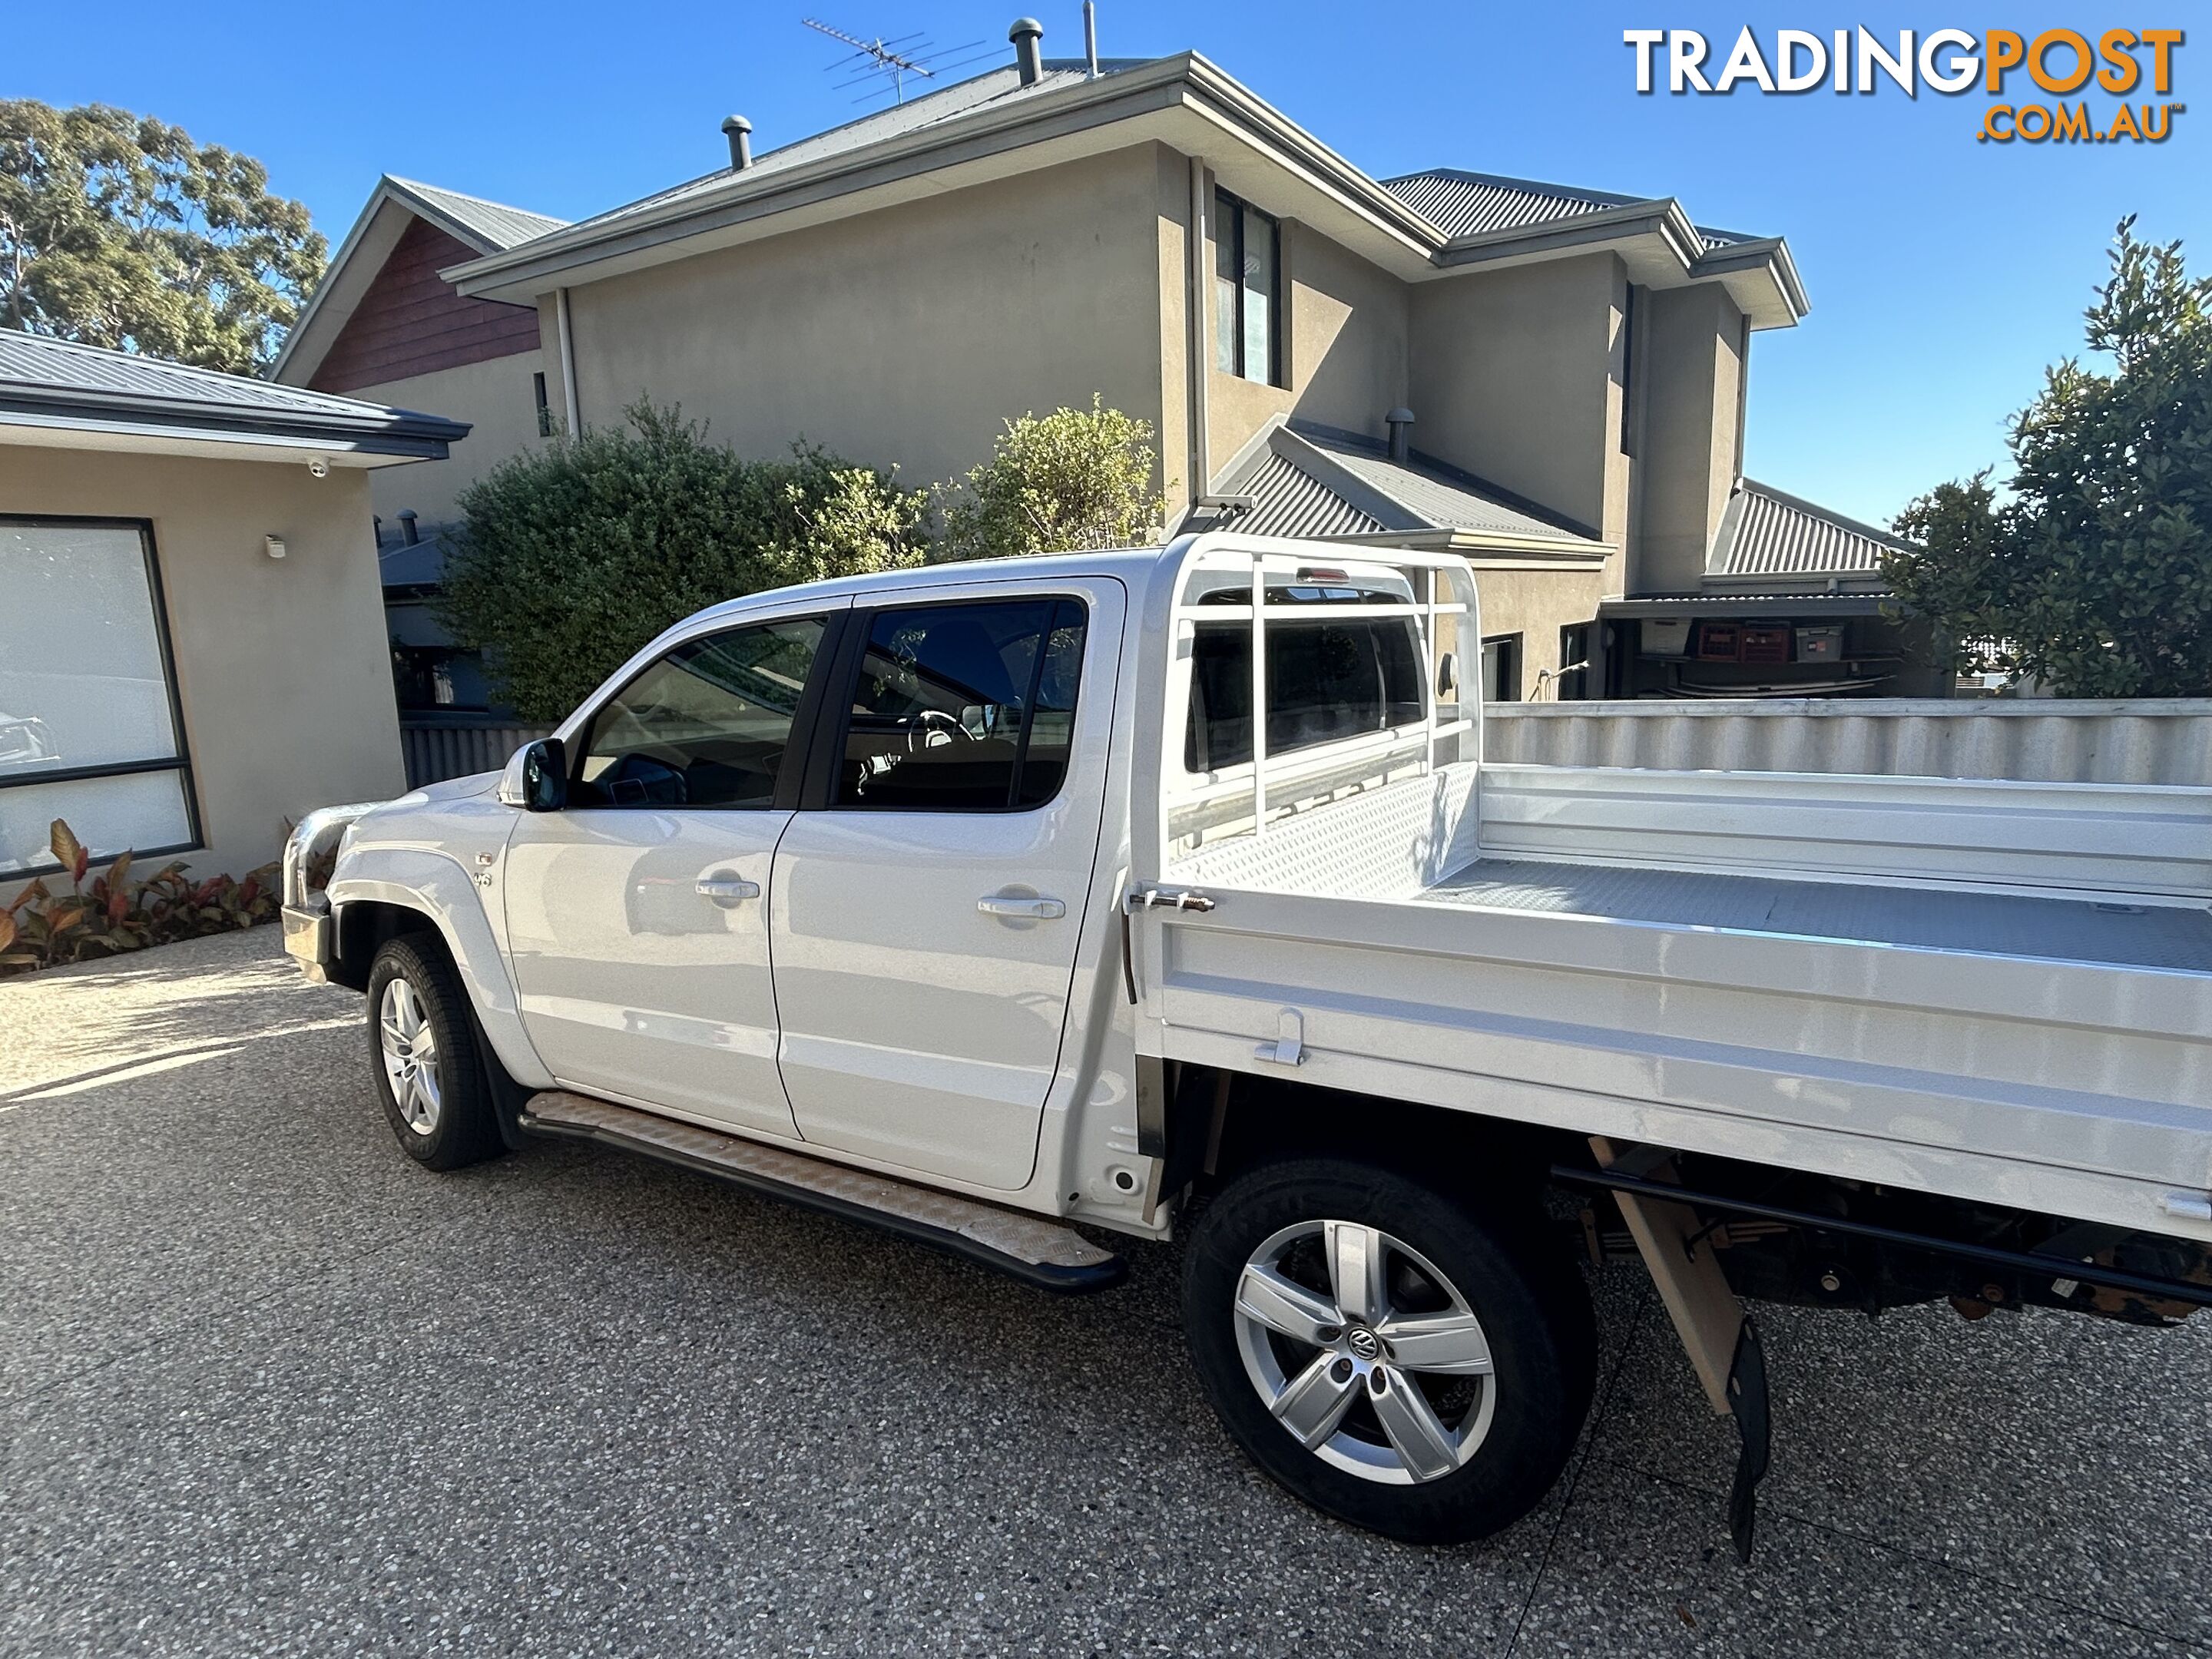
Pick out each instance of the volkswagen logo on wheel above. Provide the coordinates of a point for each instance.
(1364, 1342)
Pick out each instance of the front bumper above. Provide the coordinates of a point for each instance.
(310, 931)
(309, 938)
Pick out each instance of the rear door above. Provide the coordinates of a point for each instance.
(924, 919)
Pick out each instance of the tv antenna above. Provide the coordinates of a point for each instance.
(889, 63)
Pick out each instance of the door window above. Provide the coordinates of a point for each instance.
(963, 708)
(707, 725)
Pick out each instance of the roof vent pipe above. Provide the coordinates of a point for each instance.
(739, 132)
(1400, 423)
(1028, 34)
(407, 529)
(1090, 40)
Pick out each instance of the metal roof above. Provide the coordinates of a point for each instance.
(419, 563)
(486, 228)
(1461, 203)
(1477, 216)
(999, 88)
(60, 383)
(1312, 481)
(1765, 532)
(493, 225)
(1289, 501)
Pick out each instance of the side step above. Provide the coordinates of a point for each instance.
(1043, 1253)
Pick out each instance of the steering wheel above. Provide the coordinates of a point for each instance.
(924, 721)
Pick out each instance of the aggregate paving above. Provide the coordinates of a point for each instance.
(269, 1389)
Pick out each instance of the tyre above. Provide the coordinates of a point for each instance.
(423, 1050)
(1414, 1365)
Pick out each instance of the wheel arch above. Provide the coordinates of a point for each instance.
(1221, 1123)
(387, 893)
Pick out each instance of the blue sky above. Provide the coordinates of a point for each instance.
(1944, 273)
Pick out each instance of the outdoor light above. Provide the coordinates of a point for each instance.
(273, 545)
(318, 468)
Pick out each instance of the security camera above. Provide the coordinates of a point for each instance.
(318, 468)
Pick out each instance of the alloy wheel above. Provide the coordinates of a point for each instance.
(409, 1049)
(1365, 1352)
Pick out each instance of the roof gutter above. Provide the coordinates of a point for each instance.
(1186, 81)
(1770, 254)
(1663, 217)
(405, 433)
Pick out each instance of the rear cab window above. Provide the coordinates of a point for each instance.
(1361, 671)
(1328, 679)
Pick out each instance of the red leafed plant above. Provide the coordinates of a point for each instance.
(42, 928)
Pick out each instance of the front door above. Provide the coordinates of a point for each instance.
(924, 921)
(638, 914)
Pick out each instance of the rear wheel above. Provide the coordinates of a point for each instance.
(428, 1072)
(1404, 1362)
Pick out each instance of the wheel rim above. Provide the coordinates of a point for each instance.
(408, 1047)
(1365, 1353)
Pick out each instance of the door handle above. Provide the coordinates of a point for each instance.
(1159, 898)
(727, 890)
(1027, 909)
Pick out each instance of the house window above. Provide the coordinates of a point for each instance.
(1247, 291)
(544, 409)
(1628, 426)
(89, 729)
(1501, 668)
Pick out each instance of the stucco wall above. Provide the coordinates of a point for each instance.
(281, 666)
(495, 399)
(1536, 605)
(1171, 230)
(1515, 377)
(1345, 349)
(907, 336)
(1688, 426)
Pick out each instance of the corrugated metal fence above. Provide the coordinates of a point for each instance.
(2041, 741)
(439, 748)
(2145, 740)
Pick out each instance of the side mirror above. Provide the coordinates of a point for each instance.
(537, 778)
(1447, 674)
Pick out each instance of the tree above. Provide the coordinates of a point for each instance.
(1054, 483)
(571, 557)
(2094, 574)
(117, 230)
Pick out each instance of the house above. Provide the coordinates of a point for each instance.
(191, 643)
(1788, 601)
(384, 325)
(1549, 379)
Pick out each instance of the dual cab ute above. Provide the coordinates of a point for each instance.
(1168, 892)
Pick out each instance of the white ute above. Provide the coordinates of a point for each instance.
(1168, 892)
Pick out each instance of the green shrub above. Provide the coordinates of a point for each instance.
(2092, 573)
(1061, 482)
(42, 928)
(572, 556)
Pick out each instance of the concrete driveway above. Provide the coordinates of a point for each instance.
(269, 1388)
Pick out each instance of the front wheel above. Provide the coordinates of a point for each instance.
(1403, 1362)
(424, 1049)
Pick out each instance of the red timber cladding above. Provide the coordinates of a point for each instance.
(409, 322)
